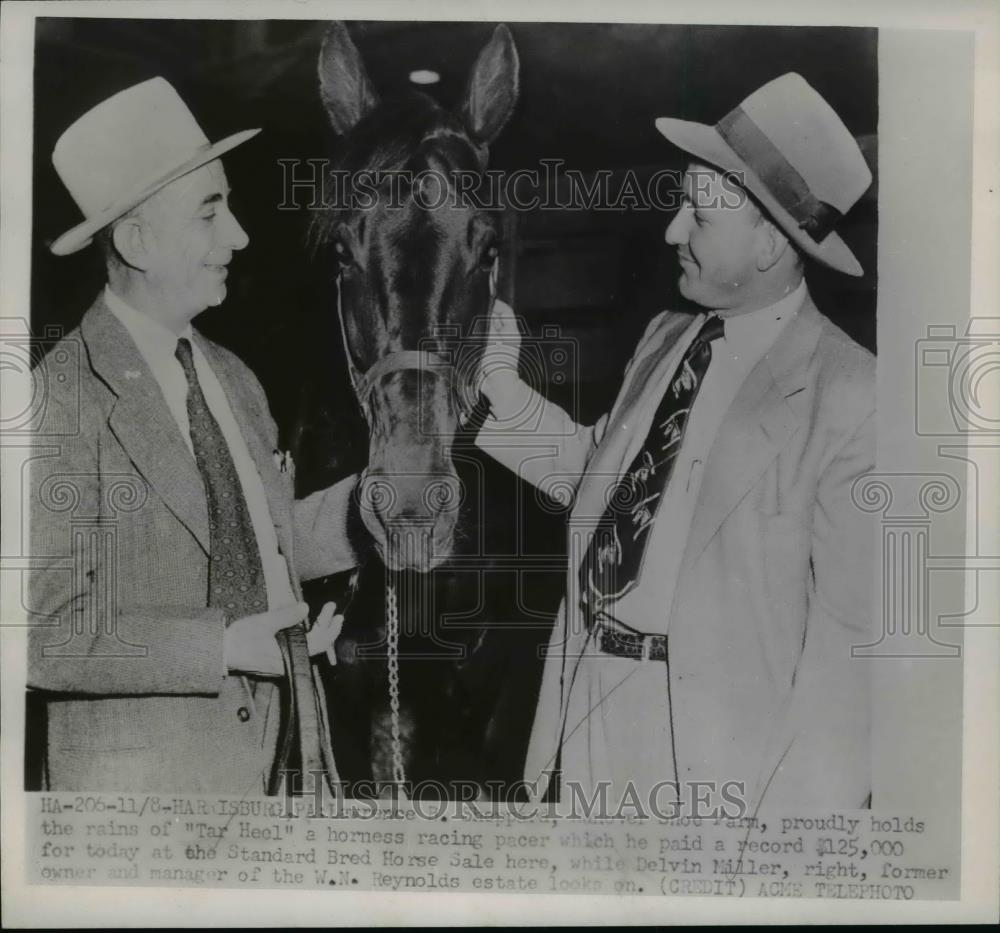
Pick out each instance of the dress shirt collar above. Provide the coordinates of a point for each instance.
(752, 333)
(156, 343)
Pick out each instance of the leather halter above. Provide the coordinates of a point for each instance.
(399, 360)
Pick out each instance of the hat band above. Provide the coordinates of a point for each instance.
(786, 185)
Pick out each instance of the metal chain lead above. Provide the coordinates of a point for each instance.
(392, 635)
(391, 605)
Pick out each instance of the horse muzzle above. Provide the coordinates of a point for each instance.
(412, 517)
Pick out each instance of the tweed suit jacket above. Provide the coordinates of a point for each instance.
(776, 583)
(121, 639)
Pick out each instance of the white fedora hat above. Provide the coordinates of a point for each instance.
(127, 148)
(795, 155)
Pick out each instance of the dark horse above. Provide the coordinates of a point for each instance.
(416, 266)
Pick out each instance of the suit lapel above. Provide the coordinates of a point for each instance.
(142, 422)
(761, 420)
(628, 425)
(251, 422)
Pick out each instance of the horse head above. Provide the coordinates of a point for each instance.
(416, 263)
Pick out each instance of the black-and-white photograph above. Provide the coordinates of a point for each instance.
(605, 225)
(484, 420)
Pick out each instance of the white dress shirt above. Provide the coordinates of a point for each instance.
(157, 345)
(747, 339)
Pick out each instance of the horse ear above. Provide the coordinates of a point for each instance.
(344, 85)
(492, 90)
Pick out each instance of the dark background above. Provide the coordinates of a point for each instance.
(589, 95)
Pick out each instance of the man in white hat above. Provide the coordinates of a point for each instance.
(719, 571)
(158, 475)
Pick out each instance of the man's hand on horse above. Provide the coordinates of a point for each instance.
(250, 646)
(498, 371)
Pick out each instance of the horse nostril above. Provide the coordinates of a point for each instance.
(378, 496)
(443, 495)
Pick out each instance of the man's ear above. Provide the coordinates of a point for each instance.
(130, 241)
(773, 244)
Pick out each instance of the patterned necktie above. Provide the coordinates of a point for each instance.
(611, 566)
(236, 576)
(236, 585)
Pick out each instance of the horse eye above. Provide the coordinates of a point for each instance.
(343, 253)
(489, 256)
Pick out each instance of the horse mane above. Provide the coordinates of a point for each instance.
(393, 138)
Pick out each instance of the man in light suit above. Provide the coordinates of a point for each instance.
(719, 571)
(166, 542)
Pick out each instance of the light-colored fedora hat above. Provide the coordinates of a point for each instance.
(795, 155)
(127, 148)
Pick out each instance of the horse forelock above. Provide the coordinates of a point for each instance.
(388, 137)
(407, 133)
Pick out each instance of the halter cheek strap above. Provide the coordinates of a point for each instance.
(352, 370)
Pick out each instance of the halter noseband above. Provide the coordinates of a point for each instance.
(399, 360)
